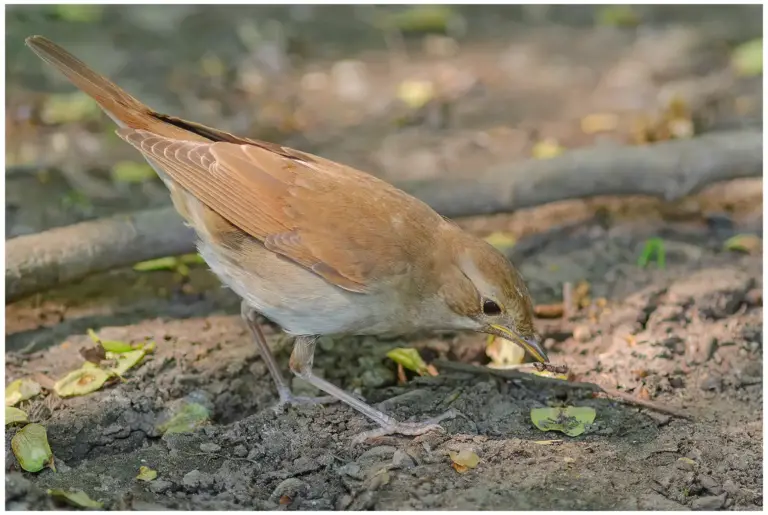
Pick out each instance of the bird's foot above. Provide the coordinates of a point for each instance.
(287, 398)
(407, 428)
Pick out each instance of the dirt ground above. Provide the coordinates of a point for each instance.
(688, 336)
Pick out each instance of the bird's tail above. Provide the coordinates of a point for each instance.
(118, 104)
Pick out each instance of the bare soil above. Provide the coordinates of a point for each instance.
(688, 336)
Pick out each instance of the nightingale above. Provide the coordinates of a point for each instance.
(315, 246)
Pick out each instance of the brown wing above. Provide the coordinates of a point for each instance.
(342, 224)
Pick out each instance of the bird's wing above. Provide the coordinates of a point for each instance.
(344, 225)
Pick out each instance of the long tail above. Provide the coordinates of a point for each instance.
(119, 105)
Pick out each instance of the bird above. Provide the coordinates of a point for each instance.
(316, 247)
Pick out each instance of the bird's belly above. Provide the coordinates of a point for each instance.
(292, 296)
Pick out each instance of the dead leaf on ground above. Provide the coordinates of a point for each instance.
(411, 359)
(749, 243)
(546, 149)
(15, 416)
(76, 498)
(21, 390)
(599, 122)
(31, 448)
(570, 420)
(549, 310)
(82, 381)
(146, 474)
(464, 460)
(501, 240)
(503, 353)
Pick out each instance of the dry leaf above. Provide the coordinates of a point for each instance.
(749, 243)
(21, 390)
(464, 459)
(146, 474)
(31, 448)
(546, 149)
(599, 122)
(503, 353)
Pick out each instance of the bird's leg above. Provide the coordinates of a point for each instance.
(286, 396)
(301, 365)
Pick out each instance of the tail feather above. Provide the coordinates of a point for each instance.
(116, 102)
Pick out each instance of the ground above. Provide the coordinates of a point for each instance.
(688, 336)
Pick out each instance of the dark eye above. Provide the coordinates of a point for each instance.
(491, 308)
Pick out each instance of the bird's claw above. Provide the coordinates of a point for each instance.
(407, 428)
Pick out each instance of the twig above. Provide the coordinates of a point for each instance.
(669, 170)
(558, 383)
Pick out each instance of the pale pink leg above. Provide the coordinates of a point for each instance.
(301, 364)
(283, 390)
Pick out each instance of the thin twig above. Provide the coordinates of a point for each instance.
(516, 375)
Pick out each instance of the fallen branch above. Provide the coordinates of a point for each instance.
(516, 375)
(669, 170)
(39, 261)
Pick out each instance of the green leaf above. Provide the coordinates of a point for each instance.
(110, 345)
(69, 108)
(76, 498)
(422, 18)
(146, 474)
(654, 247)
(571, 420)
(191, 416)
(165, 263)
(132, 172)
(748, 243)
(501, 240)
(15, 415)
(747, 58)
(126, 360)
(81, 382)
(30, 446)
(21, 390)
(617, 16)
(408, 358)
(82, 13)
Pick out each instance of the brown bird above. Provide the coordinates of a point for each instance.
(315, 246)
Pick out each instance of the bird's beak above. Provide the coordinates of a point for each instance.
(531, 345)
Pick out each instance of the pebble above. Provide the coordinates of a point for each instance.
(353, 470)
(710, 484)
(378, 453)
(711, 383)
(685, 464)
(582, 333)
(657, 502)
(210, 447)
(240, 451)
(731, 487)
(290, 487)
(401, 460)
(196, 479)
(159, 486)
(710, 502)
(676, 382)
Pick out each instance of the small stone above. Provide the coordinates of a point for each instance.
(159, 486)
(731, 487)
(343, 502)
(197, 480)
(657, 502)
(378, 453)
(710, 484)
(711, 502)
(353, 470)
(685, 464)
(210, 447)
(711, 383)
(290, 487)
(582, 333)
(401, 460)
(240, 451)
(740, 462)
(676, 382)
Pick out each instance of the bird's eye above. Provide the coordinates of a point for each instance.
(491, 308)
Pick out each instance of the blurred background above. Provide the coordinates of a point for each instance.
(404, 92)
